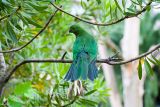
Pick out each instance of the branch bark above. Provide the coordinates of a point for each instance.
(5, 79)
(2, 70)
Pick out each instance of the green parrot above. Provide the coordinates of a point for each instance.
(84, 56)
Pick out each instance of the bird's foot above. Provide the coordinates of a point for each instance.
(76, 89)
(114, 57)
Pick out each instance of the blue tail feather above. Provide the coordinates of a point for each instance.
(71, 74)
(82, 68)
(93, 71)
(83, 65)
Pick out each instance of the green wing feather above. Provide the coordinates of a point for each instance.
(84, 56)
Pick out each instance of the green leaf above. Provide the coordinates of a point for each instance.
(148, 67)
(140, 70)
(23, 19)
(107, 5)
(18, 27)
(156, 60)
(131, 10)
(124, 3)
(57, 100)
(98, 1)
(129, 14)
(118, 5)
(22, 88)
(11, 33)
(32, 94)
(140, 2)
(110, 12)
(134, 2)
(152, 61)
(88, 102)
(14, 101)
(83, 4)
(37, 7)
(14, 22)
(148, 8)
(90, 92)
(33, 23)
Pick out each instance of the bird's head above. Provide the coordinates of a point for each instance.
(75, 29)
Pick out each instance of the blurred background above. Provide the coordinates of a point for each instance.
(42, 84)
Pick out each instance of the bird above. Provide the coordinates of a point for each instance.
(85, 52)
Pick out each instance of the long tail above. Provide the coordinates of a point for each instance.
(82, 68)
(93, 71)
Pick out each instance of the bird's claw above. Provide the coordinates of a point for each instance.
(114, 57)
(76, 89)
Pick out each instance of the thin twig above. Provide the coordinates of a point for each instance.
(23, 46)
(6, 16)
(104, 24)
(107, 61)
(64, 55)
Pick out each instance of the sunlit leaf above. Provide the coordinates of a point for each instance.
(39, 86)
(32, 94)
(156, 60)
(148, 67)
(88, 102)
(14, 101)
(33, 23)
(152, 61)
(22, 88)
(110, 8)
(23, 19)
(134, 2)
(90, 92)
(38, 8)
(83, 4)
(118, 6)
(124, 3)
(11, 33)
(140, 70)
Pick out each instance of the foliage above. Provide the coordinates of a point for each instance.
(34, 84)
(43, 84)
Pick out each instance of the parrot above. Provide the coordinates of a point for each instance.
(84, 56)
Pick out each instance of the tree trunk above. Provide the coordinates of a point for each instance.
(110, 79)
(2, 70)
(132, 86)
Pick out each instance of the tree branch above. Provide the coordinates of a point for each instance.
(6, 16)
(104, 24)
(23, 46)
(107, 61)
(63, 56)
